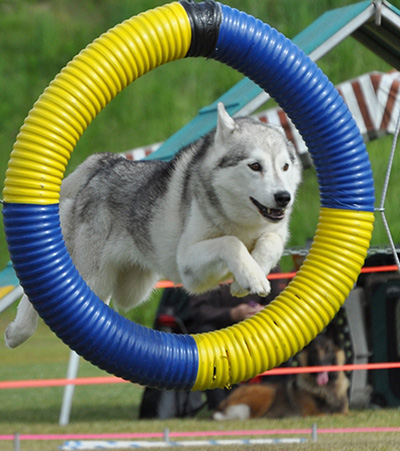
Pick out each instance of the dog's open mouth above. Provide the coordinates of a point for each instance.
(273, 214)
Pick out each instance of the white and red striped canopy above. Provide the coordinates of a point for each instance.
(373, 99)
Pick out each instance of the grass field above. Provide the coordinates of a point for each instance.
(114, 408)
(37, 38)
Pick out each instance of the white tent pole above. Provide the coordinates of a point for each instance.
(72, 373)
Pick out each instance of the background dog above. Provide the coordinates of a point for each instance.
(220, 209)
(302, 395)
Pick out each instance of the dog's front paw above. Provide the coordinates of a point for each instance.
(238, 291)
(251, 282)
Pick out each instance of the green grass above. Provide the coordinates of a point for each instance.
(114, 408)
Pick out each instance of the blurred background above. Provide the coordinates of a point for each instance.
(38, 38)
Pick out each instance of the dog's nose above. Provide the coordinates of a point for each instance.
(282, 198)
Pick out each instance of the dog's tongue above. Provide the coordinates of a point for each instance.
(322, 378)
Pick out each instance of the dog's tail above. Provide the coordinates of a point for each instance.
(24, 324)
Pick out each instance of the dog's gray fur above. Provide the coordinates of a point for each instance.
(219, 209)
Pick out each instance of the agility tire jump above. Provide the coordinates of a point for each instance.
(66, 108)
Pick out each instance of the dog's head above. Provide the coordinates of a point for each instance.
(322, 351)
(256, 167)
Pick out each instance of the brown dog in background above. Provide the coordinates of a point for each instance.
(301, 395)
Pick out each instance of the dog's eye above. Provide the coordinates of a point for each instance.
(256, 167)
(286, 167)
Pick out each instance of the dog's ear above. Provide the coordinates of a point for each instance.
(225, 124)
(302, 357)
(340, 356)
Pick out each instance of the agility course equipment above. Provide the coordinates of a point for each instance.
(77, 95)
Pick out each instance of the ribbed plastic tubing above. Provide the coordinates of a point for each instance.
(64, 111)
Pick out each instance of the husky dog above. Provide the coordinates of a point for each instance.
(220, 209)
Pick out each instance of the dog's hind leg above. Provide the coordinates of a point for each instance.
(23, 326)
(133, 286)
